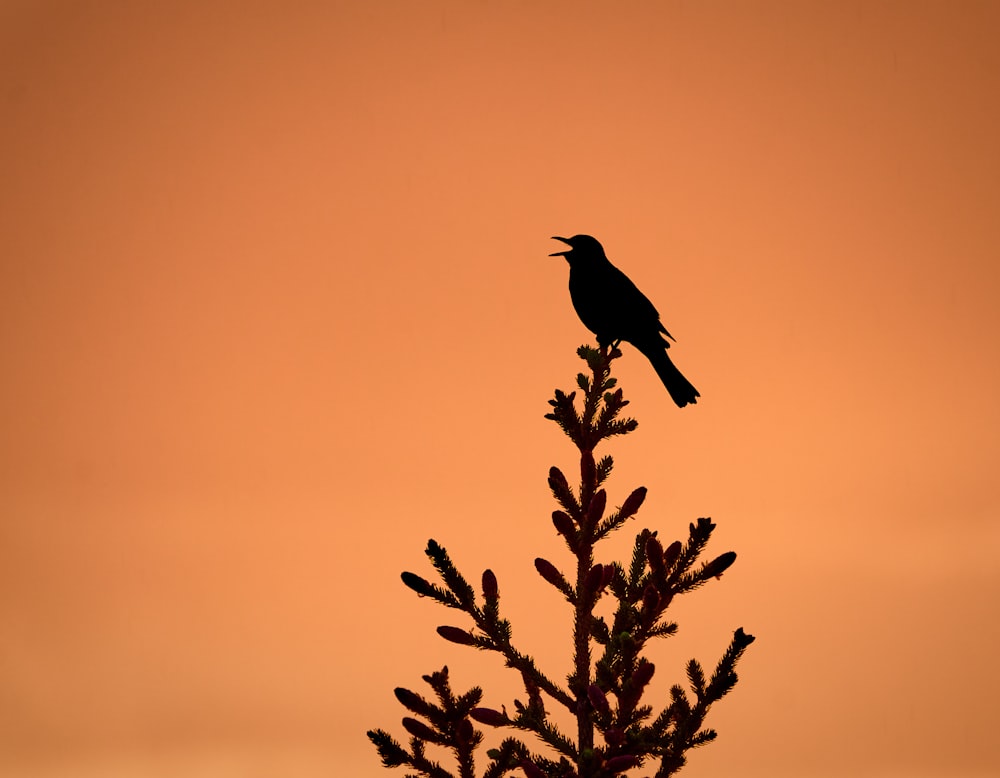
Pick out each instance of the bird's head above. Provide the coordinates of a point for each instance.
(580, 246)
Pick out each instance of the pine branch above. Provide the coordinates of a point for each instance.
(605, 694)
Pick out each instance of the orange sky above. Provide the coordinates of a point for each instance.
(276, 308)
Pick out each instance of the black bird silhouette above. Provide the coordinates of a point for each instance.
(613, 308)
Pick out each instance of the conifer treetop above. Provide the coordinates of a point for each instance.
(616, 728)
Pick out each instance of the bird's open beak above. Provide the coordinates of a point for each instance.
(561, 253)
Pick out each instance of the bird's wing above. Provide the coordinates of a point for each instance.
(641, 311)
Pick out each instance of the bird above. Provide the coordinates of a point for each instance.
(614, 309)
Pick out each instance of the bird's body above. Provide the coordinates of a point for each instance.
(614, 309)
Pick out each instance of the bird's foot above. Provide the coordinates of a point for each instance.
(610, 349)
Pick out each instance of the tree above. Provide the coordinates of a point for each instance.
(603, 694)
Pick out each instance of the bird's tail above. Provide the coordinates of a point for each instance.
(681, 390)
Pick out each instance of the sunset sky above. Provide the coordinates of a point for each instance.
(276, 308)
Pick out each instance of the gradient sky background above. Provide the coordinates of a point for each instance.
(276, 309)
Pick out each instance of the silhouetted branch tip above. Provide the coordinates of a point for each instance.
(607, 692)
